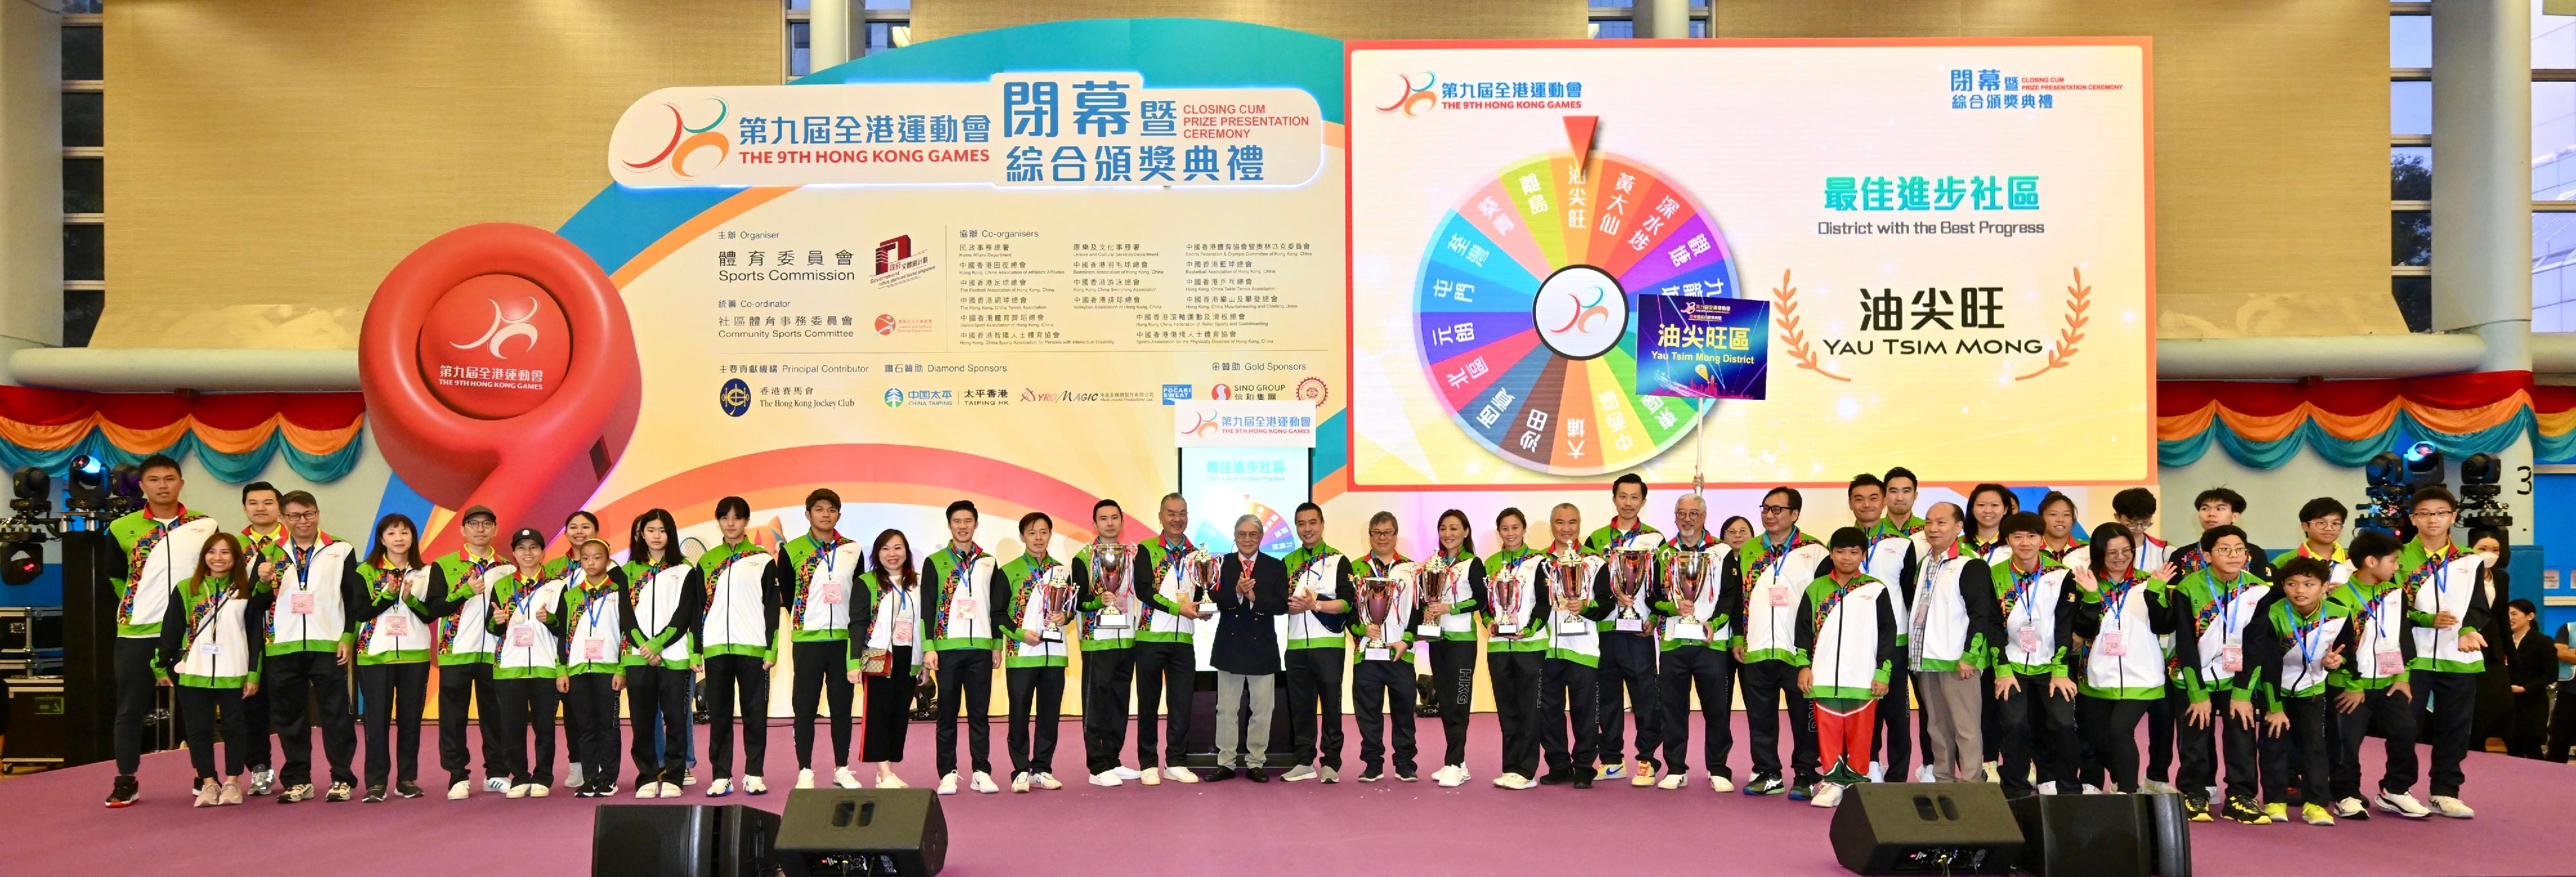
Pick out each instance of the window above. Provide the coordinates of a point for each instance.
(889, 26)
(2553, 172)
(84, 176)
(1617, 19)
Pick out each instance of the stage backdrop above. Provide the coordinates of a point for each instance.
(1004, 267)
(1953, 236)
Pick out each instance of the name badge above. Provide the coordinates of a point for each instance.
(1376, 655)
(965, 607)
(2232, 659)
(594, 650)
(2026, 639)
(2115, 644)
(300, 604)
(394, 625)
(903, 632)
(1629, 625)
(1779, 595)
(2389, 662)
(831, 593)
(522, 637)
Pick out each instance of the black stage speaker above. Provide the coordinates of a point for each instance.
(1925, 828)
(876, 832)
(2104, 835)
(683, 840)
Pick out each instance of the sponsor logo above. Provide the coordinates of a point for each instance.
(893, 251)
(1220, 391)
(734, 398)
(1414, 100)
(1174, 394)
(898, 265)
(894, 398)
(1314, 390)
(885, 324)
(688, 140)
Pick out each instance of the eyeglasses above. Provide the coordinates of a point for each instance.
(2434, 516)
(1377, 532)
(302, 516)
(1777, 510)
(2229, 551)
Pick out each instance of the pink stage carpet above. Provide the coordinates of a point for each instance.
(56, 826)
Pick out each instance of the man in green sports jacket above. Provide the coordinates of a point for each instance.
(159, 545)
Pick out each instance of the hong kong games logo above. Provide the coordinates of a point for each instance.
(687, 140)
(1207, 423)
(735, 398)
(1414, 100)
(505, 326)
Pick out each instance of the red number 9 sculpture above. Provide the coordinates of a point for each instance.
(500, 370)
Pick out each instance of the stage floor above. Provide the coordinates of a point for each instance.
(56, 825)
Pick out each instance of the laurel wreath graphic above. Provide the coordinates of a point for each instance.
(2078, 299)
(1785, 316)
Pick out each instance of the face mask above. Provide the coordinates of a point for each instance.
(2487, 559)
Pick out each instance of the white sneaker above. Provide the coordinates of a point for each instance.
(460, 790)
(1720, 784)
(1150, 777)
(670, 791)
(516, 792)
(1446, 776)
(2048, 788)
(2159, 787)
(1515, 782)
(753, 785)
(2404, 805)
(2451, 807)
(1673, 780)
(805, 778)
(538, 790)
(1827, 795)
(1180, 776)
(1046, 780)
(497, 784)
(1924, 774)
(2348, 808)
(843, 778)
(1107, 779)
(572, 777)
(2091, 789)
(1020, 783)
(1877, 772)
(1329, 774)
(948, 783)
(1463, 775)
(647, 791)
(891, 781)
(720, 788)
(1126, 773)
(689, 777)
(983, 784)
(1299, 773)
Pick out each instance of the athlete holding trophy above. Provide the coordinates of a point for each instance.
(1382, 678)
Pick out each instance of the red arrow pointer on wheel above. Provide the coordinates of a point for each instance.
(1578, 136)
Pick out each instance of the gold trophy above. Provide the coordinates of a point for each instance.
(1055, 595)
(1377, 604)
(1111, 570)
(1440, 579)
(1568, 579)
(1629, 570)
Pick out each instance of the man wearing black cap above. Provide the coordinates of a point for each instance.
(528, 618)
(465, 650)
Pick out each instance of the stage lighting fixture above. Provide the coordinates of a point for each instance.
(2380, 507)
(20, 562)
(2423, 466)
(88, 478)
(2385, 469)
(34, 490)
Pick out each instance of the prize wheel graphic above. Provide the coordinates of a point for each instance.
(1525, 310)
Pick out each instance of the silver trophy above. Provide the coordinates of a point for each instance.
(1204, 573)
(1568, 577)
(1112, 567)
(1377, 604)
(1054, 596)
(1630, 568)
(1440, 583)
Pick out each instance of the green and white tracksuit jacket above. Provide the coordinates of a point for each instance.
(739, 613)
(958, 588)
(212, 636)
(2286, 652)
(1098, 597)
(397, 605)
(2438, 582)
(2219, 612)
(530, 647)
(1324, 573)
(1027, 585)
(1516, 601)
(664, 600)
(462, 634)
(817, 575)
(2383, 640)
(319, 596)
(156, 554)
(1718, 595)
(2124, 624)
(1847, 638)
(1774, 577)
